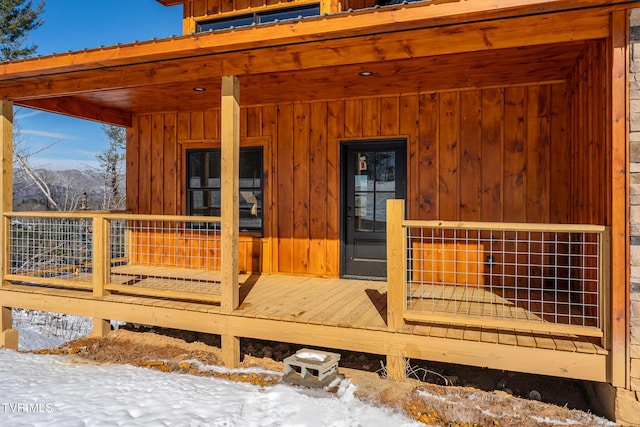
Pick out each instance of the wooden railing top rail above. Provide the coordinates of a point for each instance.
(110, 215)
(506, 226)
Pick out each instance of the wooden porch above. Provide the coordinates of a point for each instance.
(513, 138)
(441, 301)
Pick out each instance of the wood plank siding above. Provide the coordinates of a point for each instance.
(589, 147)
(494, 154)
(200, 10)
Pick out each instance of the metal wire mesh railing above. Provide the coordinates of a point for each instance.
(49, 249)
(160, 256)
(505, 273)
(165, 256)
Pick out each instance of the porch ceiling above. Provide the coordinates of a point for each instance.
(480, 69)
(408, 49)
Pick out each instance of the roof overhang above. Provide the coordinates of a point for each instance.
(170, 2)
(410, 48)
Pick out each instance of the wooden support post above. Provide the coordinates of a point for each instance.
(101, 261)
(6, 178)
(396, 280)
(101, 327)
(619, 142)
(396, 367)
(230, 162)
(230, 351)
(396, 264)
(8, 336)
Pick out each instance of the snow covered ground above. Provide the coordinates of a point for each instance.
(39, 390)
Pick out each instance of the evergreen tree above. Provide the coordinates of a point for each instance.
(112, 164)
(17, 18)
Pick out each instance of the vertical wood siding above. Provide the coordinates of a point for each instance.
(590, 202)
(199, 9)
(203, 9)
(500, 154)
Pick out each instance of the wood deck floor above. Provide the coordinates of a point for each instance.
(355, 304)
(363, 304)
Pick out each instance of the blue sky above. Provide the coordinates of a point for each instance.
(71, 25)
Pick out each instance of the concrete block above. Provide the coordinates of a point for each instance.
(311, 368)
(635, 335)
(635, 272)
(9, 339)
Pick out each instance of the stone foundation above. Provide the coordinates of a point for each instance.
(627, 401)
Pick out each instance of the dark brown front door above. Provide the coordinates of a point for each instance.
(373, 172)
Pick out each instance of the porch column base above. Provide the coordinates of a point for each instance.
(9, 339)
(396, 367)
(101, 328)
(230, 351)
(615, 403)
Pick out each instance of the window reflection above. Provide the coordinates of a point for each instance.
(204, 188)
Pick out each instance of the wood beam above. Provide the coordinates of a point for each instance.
(80, 109)
(230, 161)
(313, 54)
(125, 77)
(426, 42)
(340, 26)
(619, 142)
